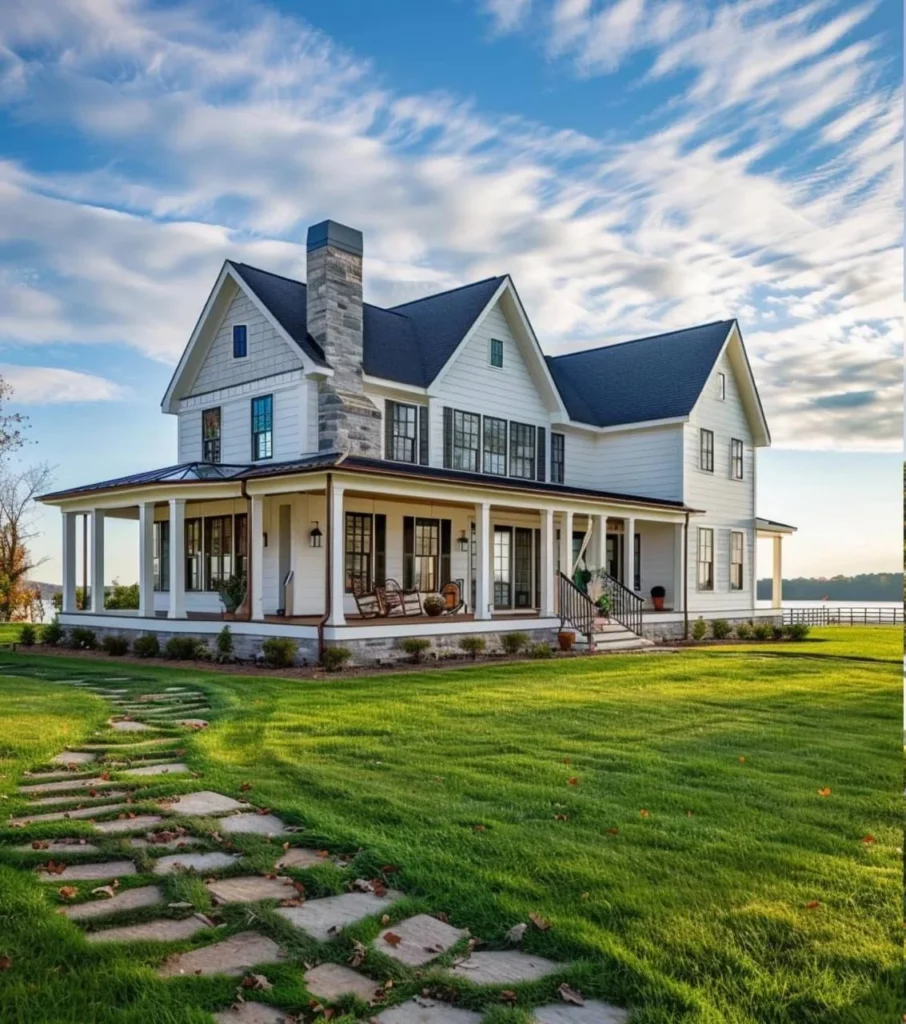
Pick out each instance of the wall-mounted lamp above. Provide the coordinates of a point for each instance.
(264, 535)
(315, 537)
(463, 541)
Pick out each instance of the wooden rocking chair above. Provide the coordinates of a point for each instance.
(451, 592)
(401, 602)
(368, 602)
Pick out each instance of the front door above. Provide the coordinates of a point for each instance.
(515, 567)
(615, 555)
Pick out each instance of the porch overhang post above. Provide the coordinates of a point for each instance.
(146, 559)
(256, 545)
(177, 609)
(777, 583)
(599, 542)
(336, 535)
(483, 560)
(629, 553)
(679, 566)
(69, 562)
(97, 561)
(566, 544)
(547, 563)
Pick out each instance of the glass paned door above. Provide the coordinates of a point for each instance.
(503, 566)
(615, 555)
(522, 567)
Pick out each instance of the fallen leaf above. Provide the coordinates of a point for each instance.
(441, 916)
(256, 981)
(570, 995)
(392, 939)
(104, 890)
(40, 844)
(574, 781)
(584, 896)
(742, 760)
(54, 868)
(561, 817)
(566, 761)
(478, 828)
(389, 869)
(358, 952)
(68, 892)
(385, 920)
(516, 933)
(245, 787)
(824, 792)
(541, 923)
(5, 963)
(613, 831)
(324, 853)
(644, 813)
(508, 996)
(813, 904)
(869, 839)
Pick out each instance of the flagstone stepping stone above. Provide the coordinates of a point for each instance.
(593, 1012)
(331, 981)
(74, 757)
(83, 812)
(504, 967)
(74, 782)
(300, 857)
(97, 800)
(131, 899)
(76, 777)
(203, 803)
(233, 956)
(90, 872)
(421, 938)
(130, 726)
(192, 723)
(249, 888)
(195, 861)
(57, 847)
(323, 918)
(173, 844)
(140, 821)
(427, 1011)
(256, 824)
(251, 1013)
(170, 768)
(165, 930)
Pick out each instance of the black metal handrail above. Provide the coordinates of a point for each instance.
(625, 604)
(575, 607)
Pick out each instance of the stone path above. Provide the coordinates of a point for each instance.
(168, 851)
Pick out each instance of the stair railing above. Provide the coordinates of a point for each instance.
(625, 604)
(576, 608)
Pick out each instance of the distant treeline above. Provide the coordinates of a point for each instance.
(875, 586)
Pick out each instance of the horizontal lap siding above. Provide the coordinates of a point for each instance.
(657, 565)
(647, 463)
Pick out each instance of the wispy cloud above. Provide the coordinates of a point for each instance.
(229, 141)
(49, 385)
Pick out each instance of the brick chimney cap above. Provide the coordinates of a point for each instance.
(329, 232)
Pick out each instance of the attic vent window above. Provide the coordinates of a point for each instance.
(496, 352)
(240, 341)
(722, 386)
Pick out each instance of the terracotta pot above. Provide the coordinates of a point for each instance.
(658, 603)
(229, 616)
(566, 640)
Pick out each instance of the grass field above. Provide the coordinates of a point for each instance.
(683, 882)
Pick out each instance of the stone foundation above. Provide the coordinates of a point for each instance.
(667, 630)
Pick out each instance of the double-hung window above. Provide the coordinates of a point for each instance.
(193, 554)
(522, 451)
(494, 446)
(359, 547)
(496, 353)
(558, 458)
(161, 555)
(705, 558)
(210, 435)
(706, 450)
(426, 554)
(241, 536)
(736, 459)
(402, 432)
(240, 341)
(262, 427)
(218, 545)
(466, 440)
(737, 547)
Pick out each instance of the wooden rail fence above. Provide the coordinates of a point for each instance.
(844, 616)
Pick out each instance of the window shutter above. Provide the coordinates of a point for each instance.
(380, 550)
(388, 429)
(446, 537)
(423, 412)
(408, 552)
(448, 437)
(541, 460)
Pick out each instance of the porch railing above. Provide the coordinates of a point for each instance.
(576, 609)
(625, 604)
(829, 616)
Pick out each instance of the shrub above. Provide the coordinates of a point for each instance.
(52, 633)
(232, 591)
(434, 604)
(225, 648)
(473, 645)
(115, 646)
(513, 643)
(720, 629)
(279, 652)
(27, 635)
(744, 630)
(82, 638)
(796, 631)
(762, 631)
(777, 632)
(699, 628)
(415, 646)
(146, 646)
(542, 650)
(181, 648)
(122, 595)
(334, 658)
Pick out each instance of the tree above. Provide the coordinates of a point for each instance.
(19, 599)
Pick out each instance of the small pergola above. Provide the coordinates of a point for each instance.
(776, 531)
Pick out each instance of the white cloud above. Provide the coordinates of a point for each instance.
(50, 385)
(507, 14)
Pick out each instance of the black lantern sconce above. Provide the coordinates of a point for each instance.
(463, 541)
(315, 537)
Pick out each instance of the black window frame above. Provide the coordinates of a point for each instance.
(523, 450)
(706, 450)
(495, 352)
(211, 446)
(395, 411)
(267, 434)
(194, 554)
(737, 459)
(501, 446)
(241, 543)
(466, 426)
(161, 556)
(636, 561)
(737, 584)
(218, 536)
(705, 565)
(558, 458)
(721, 387)
(358, 560)
(240, 341)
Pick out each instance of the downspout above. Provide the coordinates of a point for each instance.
(686, 579)
(243, 490)
(328, 561)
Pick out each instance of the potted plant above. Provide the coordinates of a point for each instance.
(566, 638)
(598, 595)
(603, 605)
(232, 593)
(657, 598)
(434, 605)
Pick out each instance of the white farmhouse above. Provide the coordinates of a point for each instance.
(349, 461)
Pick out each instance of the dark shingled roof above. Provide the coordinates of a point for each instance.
(648, 379)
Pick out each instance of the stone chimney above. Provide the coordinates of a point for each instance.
(348, 420)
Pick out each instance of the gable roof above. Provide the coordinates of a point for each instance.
(654, 378)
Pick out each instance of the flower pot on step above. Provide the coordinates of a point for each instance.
(566, 640)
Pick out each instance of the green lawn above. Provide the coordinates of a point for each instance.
(698, 911)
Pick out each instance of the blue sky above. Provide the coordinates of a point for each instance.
(636, 165)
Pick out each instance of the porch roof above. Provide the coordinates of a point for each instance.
(202, 473)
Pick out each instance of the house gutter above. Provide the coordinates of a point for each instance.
(243, 490)
(686, 578)
(328, 561)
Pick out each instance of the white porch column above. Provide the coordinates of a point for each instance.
(679, 567)
(336, 539)
(777, 585)
(177, 609)
(483, 560)
(146, 559)
(598, 557)
(256, 550)
(566, 544)
(69, 561)
(547, 563)
(97, 560)
(629, 553)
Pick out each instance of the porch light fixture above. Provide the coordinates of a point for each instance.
(463, 541)
(314, 538)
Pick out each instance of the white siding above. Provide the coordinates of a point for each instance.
(647, 463)
(657, 562)
(727, 504)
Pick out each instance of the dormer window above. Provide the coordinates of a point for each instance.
(722, 387)
(240, 341)
(496, 353)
